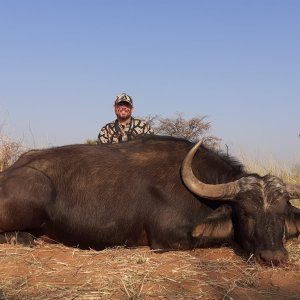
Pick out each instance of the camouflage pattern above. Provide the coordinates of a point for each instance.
(115, 132)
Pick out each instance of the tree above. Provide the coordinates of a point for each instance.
(192, 129)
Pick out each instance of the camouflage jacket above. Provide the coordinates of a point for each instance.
(115, 132)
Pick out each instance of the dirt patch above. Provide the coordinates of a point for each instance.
(57, 272)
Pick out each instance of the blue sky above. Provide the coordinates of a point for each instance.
(238, 62)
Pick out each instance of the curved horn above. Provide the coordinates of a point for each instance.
(293, 190)
(210, 191)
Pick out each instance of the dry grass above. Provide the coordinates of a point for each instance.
(270, 166)
(58, 272)
(10, 150)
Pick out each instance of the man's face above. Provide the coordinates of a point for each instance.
(123, 110)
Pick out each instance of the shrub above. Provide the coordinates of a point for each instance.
(10, 150)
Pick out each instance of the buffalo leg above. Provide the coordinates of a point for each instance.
(25, 193)
(17, 237)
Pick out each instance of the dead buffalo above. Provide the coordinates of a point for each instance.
(159, 191)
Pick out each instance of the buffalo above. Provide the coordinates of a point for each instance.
(162, 192)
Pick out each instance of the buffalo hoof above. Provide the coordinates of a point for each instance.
(14, 238)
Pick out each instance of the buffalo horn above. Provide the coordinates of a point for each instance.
(224, 191)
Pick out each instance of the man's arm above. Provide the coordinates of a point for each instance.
(141, 127)
(148, 129)
(103, 136)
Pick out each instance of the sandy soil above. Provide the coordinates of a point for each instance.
(50, 271)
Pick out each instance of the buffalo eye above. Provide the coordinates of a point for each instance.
(281, 217)
(247, 214)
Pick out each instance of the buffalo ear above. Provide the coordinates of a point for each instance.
(217, 225)
(292, 223)
(293, 190)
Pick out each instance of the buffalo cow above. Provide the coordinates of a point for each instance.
(159, 191)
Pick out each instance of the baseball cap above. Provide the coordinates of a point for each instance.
(123, 98)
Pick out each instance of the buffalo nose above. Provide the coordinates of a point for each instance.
(272, 257)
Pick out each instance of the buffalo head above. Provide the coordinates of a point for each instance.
(256, 209)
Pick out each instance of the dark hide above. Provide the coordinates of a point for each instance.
(292, 222)
(132, 194)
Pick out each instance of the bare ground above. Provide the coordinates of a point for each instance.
(51, 271)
